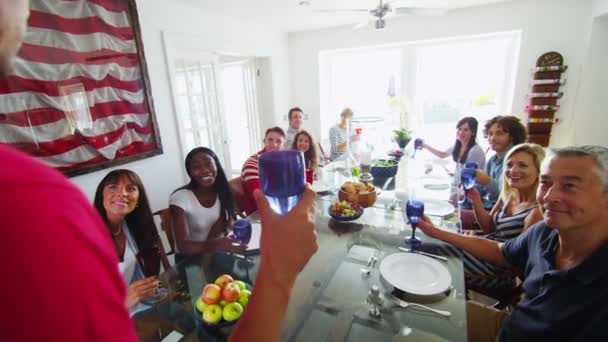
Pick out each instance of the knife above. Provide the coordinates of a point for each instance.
(423, 253)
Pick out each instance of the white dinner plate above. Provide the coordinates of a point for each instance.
(435, 207)
(416, 274)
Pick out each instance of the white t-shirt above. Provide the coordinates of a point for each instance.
(199, 219)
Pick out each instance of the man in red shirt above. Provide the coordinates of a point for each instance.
(274, 140)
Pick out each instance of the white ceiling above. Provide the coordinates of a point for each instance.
(289, 16)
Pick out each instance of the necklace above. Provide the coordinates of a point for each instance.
(117, 233)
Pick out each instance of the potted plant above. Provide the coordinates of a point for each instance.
(402, 136)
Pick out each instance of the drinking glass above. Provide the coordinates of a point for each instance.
(241, 230)
(283, 178)
(413, 210)
(417, 146)
(471, 165)
(467, 178)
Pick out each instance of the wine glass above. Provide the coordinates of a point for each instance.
(417, 146)
(283, 178)
(413, 211)
(467, 178)
(241, 230)
(471, 165)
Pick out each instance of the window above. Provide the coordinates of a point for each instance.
(424, 86)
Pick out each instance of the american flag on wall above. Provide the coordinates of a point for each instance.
(77, 97)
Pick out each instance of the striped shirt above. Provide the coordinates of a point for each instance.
(250, 176)
(509, 226)
(337, 136)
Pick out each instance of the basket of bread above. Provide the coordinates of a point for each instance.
(358, 192)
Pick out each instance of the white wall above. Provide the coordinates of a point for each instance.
(546, 25)
(589, 123)
(162, 174)
(600, 8)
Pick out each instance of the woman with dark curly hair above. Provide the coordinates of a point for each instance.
(202, 209)
(304, 142)
(123, 205)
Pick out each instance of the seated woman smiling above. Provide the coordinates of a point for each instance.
(123, 205)
(202, 209)
(304, 142)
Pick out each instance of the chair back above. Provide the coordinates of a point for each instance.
(238, 194)
(167, 227)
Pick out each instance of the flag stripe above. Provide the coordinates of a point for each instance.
(110, 5)
(84, 43)
(18, 102)
(51, 55)
(79, 9)
(134, 148)
(72, 141)
(45, 116)
(19, 84)
(60, 72)
(77, 26)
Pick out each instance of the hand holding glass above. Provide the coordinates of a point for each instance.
(467, 178)
(413, 211)
(283, 178)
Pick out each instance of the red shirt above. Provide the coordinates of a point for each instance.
(250, 175)
(60, 278)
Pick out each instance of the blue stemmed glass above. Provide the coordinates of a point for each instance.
(467, 178)
(413, 211)
(283, 178)
(241, 230)
(417, 146)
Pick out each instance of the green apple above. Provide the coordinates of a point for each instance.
(232, 311)
(200, 305)
(212, 314)
(223, 303)
(244, 298)
(241, 284)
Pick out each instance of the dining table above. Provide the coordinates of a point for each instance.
(342, 293)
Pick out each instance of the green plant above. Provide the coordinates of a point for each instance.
(402, 136)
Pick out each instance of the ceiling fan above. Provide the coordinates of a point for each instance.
(385, 9)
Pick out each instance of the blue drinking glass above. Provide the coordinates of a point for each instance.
(417, 146)
(413, 211)
(283, 178)
(471, 165)
(467, 178)
(242, 231)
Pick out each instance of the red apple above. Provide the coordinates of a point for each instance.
(211, 294)
(231, 292)
(222, 280)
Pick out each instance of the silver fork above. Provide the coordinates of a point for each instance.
(405, 304)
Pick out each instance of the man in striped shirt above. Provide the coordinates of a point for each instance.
(273, 141)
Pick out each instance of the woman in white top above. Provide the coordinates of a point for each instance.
(123, 205)
(465, 148)
(202, 210)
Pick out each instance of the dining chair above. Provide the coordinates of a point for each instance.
(167, 227)
(238, 193)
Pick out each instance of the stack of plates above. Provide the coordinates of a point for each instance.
(416, 274)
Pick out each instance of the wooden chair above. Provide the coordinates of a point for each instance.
(167, 227)
(238, 193)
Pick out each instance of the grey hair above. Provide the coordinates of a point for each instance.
(599, 154)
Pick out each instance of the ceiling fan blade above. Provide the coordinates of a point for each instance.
(341, 10)
(428, 12)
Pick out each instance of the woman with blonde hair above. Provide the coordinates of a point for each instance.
(338, 134)
(515, 211)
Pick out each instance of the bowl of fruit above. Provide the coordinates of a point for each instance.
(222, 303)
(384, 168)
(363, 194)
(345, 211)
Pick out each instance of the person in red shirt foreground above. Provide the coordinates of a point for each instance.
(61, 275)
